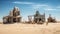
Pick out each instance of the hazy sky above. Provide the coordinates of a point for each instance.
(29, 7)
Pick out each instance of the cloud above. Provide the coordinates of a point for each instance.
(45, 7)
(16, 2)
(58, 6)
(38, 6)
(50, 9)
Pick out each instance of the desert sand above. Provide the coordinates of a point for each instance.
(19, 28)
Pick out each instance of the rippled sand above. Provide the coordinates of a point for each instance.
(19, 28)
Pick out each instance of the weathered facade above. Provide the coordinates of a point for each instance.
(38, 18)
(50, 19)
(13, 17)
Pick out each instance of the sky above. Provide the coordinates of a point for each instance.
(29, 7)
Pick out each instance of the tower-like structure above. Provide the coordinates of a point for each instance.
(14, 16)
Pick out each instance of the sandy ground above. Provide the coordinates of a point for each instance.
(19, 28)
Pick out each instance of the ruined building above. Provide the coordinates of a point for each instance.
(13, 17)
(50, 19)
(38, 18)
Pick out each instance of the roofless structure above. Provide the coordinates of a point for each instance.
(13, 17)
(37, 18)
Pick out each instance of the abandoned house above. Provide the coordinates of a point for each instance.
(13, 17)
(50, 19)
(38, 18)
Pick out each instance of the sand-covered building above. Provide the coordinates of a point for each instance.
(38, 18)
(50, 19)
(13, 17)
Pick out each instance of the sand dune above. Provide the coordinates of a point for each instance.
(19, 28)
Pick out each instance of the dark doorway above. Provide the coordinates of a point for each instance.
(14, 19)
(40, 19)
